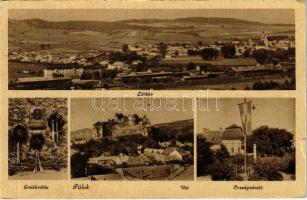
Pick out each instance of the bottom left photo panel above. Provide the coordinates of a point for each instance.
(37, 139)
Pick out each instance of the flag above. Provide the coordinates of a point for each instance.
(246, 116)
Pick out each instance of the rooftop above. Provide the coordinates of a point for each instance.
(233, 132)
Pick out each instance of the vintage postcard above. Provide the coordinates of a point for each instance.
(153, 99)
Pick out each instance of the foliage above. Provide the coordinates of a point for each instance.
(204, 157)
(162, 49)
(267, 85)
(193, 52)
(78, 163)
(127, 57)
(267, 169)
(261, 55)
(270, 141)
(223, 171)
(222, 153)
(37, 142)
(228, 51)
(191, 66)
(209, 53)
(19, 134)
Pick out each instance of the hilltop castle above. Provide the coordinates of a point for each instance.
(122, 125)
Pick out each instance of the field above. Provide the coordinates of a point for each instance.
(88, 35)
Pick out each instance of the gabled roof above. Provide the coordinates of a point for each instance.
(214, 137)
(233, 132)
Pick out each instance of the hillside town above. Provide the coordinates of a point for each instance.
(130, 148)
(239, 62)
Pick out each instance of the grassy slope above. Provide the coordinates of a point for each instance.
(82, 35)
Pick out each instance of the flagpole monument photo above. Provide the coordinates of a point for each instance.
(226, 151)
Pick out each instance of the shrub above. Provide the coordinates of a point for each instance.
(223, 171)
(267, 169)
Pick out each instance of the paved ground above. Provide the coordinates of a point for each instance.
(204, 178)
(187, 174)
(44, 175)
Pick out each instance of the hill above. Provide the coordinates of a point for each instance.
(178, 127)
(94, 35)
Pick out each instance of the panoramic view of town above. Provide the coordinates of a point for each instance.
(246, 140)
(37, 139)
(158, 49)
(132, 144)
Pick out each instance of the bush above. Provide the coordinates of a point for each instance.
(223, 171)
(267, 169)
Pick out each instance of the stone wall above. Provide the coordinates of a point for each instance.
(52, 157)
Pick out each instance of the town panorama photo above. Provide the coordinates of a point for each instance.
(160, 49)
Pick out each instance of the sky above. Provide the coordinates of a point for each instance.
(283, 16)
(273, 112)
(85, 111)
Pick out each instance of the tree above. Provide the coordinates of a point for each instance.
(204, 157)
(209, 53)
(222, 170)
(222, 153)
(271, 141)
(19, 137)
(36, 143)
(260, 55)
(191, 66)
(162, 49)
(125, 48)
(266, 169)
(119, 116)
(200, 43)
(228, 51)
(78, 164)
(56, 123)
(136, 118)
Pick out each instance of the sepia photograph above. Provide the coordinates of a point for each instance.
(132, 139)
(178, 49)
(246, 139)
(37, 139)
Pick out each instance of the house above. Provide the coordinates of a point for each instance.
(116, 65)
(213, 137)
(140, 160)
(173, 153)
(109, 161)
(151, 150)
(63, 72)
(157, 157)
(232, 139)
(140, 149)
(164, 144)
(254, 70)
